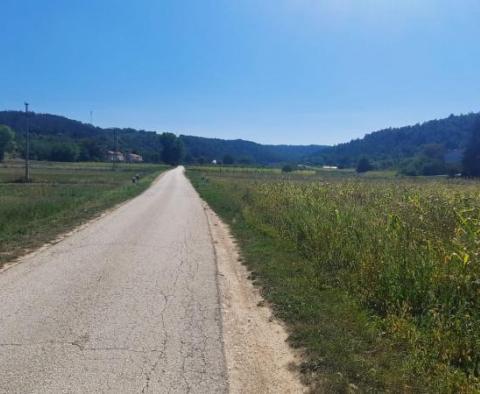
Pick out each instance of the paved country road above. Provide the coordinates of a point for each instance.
(128, 304)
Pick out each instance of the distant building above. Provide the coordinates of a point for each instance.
(115, 156)
(330, 167)
(214, 162)
(134, 158)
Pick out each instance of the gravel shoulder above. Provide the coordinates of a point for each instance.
(259, 360)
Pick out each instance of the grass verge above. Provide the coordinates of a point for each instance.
(60, 197)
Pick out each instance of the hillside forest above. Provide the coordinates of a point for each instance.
(435, 147)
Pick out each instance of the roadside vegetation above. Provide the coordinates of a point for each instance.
(60, 196)
(378, 278)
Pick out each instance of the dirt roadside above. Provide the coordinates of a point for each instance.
(258, 357)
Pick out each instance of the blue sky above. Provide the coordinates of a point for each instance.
(272, 71)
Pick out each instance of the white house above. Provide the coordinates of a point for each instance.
(115, 156)
(134, 158)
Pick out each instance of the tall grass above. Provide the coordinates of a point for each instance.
(407, 251)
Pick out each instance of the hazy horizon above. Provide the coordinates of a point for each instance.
(276, 72)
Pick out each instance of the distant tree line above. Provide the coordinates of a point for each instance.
(58, 138)
(431, 160)
(204, 150)
(446, 146)
(431, 148)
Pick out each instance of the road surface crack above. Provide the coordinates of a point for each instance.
(163, 354)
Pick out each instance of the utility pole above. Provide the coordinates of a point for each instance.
(27, 148)
(115, 149)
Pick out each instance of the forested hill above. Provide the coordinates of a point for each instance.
(208, 149)
(58, 138)
(61, 139)
(390, 146)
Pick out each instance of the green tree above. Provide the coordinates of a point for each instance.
(173, 149)
(245, 160)
(91, 150)
(364, 165)
(228, 159)
(189, 159)
(6, 140)
(471, 157)
(434, 151)
(64, 152)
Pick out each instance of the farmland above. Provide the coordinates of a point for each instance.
(377, 277)
(60, 196)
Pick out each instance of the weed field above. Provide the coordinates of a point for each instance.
(60, 196)
(377, 277)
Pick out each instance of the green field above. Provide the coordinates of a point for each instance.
(60, 196)
(377, 277)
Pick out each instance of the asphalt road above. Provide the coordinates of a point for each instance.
(129, 304)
